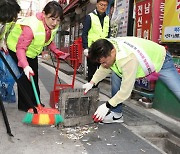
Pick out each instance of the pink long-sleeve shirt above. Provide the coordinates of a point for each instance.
(25, 40)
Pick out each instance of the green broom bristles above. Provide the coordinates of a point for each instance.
(58, 119)
(28, 118)
(42, 118)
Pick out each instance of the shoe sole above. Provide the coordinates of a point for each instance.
(114, 121)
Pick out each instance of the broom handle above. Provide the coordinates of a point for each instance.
(35, 91)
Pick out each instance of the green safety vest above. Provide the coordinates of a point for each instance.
(149, 47)
(7, 29)
(96, 32)
(38, 42)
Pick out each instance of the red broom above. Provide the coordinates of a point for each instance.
(44, 116)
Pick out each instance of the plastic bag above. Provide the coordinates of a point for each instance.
(6, 79)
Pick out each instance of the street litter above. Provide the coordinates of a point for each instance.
(59, 142)
(76, 133)
(143, 150)
(109, 144)
(78, 145)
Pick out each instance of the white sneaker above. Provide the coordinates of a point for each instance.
(113, 117)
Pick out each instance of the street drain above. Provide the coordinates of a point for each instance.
(159, 137)
(166, 144)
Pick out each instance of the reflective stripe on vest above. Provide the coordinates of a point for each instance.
(38, 42)
(96, 32)
(141, 55)
(122, 51)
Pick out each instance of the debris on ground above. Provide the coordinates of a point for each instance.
(76, 133)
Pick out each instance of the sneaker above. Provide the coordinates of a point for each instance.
(113, 117)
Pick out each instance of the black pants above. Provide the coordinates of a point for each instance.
(92, 67)
(33, 63)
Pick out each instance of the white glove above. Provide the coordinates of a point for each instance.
(3, 46)
(28, 71)
(100, 113)
(86, 52)
(88, 86)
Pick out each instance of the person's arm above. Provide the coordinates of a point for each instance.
(58, 53)
(100, 74)
(86, 28)
(53, 47)
(24, 41)
(129, 69)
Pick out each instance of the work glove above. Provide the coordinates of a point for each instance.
(86, 52)
(88, 86)
(3, 46)
(100, 113)
(28, 71)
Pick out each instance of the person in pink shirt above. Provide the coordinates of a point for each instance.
(27, 40)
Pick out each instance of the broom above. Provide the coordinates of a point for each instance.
(44, 116)
(49, 116)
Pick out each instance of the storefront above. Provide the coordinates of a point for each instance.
(165, 100)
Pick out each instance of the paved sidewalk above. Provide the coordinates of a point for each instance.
(88, 139)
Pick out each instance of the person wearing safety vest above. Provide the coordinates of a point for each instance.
(27, 40)
(8, 14)
(130, 58)
(96, 26)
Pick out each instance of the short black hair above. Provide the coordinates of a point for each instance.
(53, 8)
(9, 10)
(99, 49)
(103, 0)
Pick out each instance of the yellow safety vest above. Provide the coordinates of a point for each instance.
(38, 42)
(155, 52)
(6, 30)
(96, 32)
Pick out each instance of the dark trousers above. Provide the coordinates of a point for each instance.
(92, 67)
(33, 63)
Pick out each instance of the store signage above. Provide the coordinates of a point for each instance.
(158, 16)
(171, 22)
(119, 19)
(143, 19)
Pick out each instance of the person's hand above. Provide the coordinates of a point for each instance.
(86, 52)
(100, 113)
(88, 86)
(28, 71)
(3, 46)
